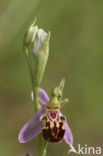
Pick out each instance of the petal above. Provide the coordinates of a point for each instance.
(68, 134)
(31, 128)
(42, 96)
(38, 40)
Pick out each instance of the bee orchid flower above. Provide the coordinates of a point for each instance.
(48, 120)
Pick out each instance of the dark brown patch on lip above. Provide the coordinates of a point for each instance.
(54, 133)
(48, 135)
(62, 118)
(47, 124)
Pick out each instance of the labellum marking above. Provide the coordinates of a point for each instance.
(53, 126)
(53, 115)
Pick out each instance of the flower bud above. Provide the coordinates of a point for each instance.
(30, 34)
(38, 40)
(41, 51)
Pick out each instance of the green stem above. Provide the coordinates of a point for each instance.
(42, 146)
(41, 141)
(35, 94)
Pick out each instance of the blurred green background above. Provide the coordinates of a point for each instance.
(76, 53)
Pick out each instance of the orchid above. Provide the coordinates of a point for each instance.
(48, 120)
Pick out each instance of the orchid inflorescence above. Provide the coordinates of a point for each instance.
(48, 119)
